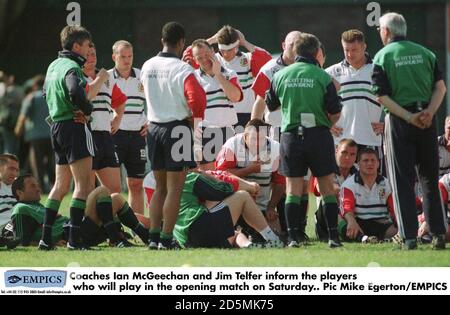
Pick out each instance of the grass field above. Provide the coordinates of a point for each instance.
(315, 255)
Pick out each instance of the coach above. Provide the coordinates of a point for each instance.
(409, 84)
(309, 107)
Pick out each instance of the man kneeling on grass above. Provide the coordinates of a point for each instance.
(210, 209)
(97, 226)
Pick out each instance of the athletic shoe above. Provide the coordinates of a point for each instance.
(45, 247)
(334, 243)
(123, 243)
(173, 245)
(11, 244)
(274, 244)
(76, 247)
(438, 242)
(293, 244)
(397, 239)
(152, 245)
(303, 238)
(370, 240)
(409, 244)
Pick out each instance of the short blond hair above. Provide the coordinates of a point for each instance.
(119, 44)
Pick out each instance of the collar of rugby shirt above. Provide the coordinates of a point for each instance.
(368, 60)
(280, 61)
(116, 73)
(307, 60)
(80, 60)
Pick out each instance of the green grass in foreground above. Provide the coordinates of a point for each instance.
(315, 255)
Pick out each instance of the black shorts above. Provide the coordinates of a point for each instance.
(375, 227)
(212, 229)
(71, 142)
(171, 146)
(105, 152)
(131, 150)
(314, 150)
(91, 233)
(212, 140)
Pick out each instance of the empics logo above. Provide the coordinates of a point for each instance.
(14, 279)
(35, 279)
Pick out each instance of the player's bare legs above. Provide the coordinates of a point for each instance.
(91, 203)
(136, 194)
(156, 207)
(241, 203)
(110, 177)
(63, 177)
(175, 183)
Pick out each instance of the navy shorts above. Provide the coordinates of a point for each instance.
(105, 152)
(212, 229)
(171, 146)
(131, 148)
(314, 150)
(71, 142)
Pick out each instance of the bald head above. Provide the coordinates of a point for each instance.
(289, 53)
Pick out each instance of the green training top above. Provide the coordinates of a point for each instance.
(197, 187)
(58, 99)
(37, 212)
(306, 95)
(405, 71)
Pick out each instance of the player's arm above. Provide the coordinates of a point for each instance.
(226, 161)
(272, 100)
(332, 103)
(260, 87)
(195, 98)
(237, 182)
(259, 108)
(96, 85)
(382, 89)
(118, 101)
(231, 87)
(77, 93)
(347, 204)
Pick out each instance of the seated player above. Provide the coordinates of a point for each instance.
(346, 152)
(211, 204)
(97, 226)
(366, 203)
(253, 156)
(444, 187)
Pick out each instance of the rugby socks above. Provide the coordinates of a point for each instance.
(268, 234)
(330, 209)
(51, 212)
(292, 212)
(77, 207)
(303, 213)
(128, 218)
(154, 235)
(104, 212)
